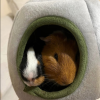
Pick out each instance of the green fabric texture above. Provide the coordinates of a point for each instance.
(52, 20)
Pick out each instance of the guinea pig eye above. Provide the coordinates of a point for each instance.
(56, 56)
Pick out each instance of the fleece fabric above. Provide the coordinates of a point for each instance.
(94, 10)
(76, 11)
(82, 48)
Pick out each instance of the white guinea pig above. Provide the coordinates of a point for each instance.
(31, 68)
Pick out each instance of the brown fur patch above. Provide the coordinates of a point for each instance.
(39, 80)
(38, 63)
(62, 71)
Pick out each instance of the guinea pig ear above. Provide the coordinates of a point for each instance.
(45, 39)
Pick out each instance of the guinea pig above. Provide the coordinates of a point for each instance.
(31, 68)
(59, 58)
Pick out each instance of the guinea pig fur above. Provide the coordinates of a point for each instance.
(31, 69)
(58, 55)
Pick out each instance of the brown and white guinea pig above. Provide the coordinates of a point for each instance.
(31, 68)
(58, 56)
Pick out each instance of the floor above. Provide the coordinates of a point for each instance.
(4, 8)
(7, 92)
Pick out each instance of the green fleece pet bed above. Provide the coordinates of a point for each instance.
(77, 16)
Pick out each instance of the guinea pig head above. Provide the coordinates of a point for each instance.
(58, 57)
(31, 69)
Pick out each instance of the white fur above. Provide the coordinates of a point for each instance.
(31, 68)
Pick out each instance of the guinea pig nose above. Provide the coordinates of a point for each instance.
(32, 80)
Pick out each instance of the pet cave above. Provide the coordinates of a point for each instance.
(35, 42)
(54, 23)
(34, 23)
